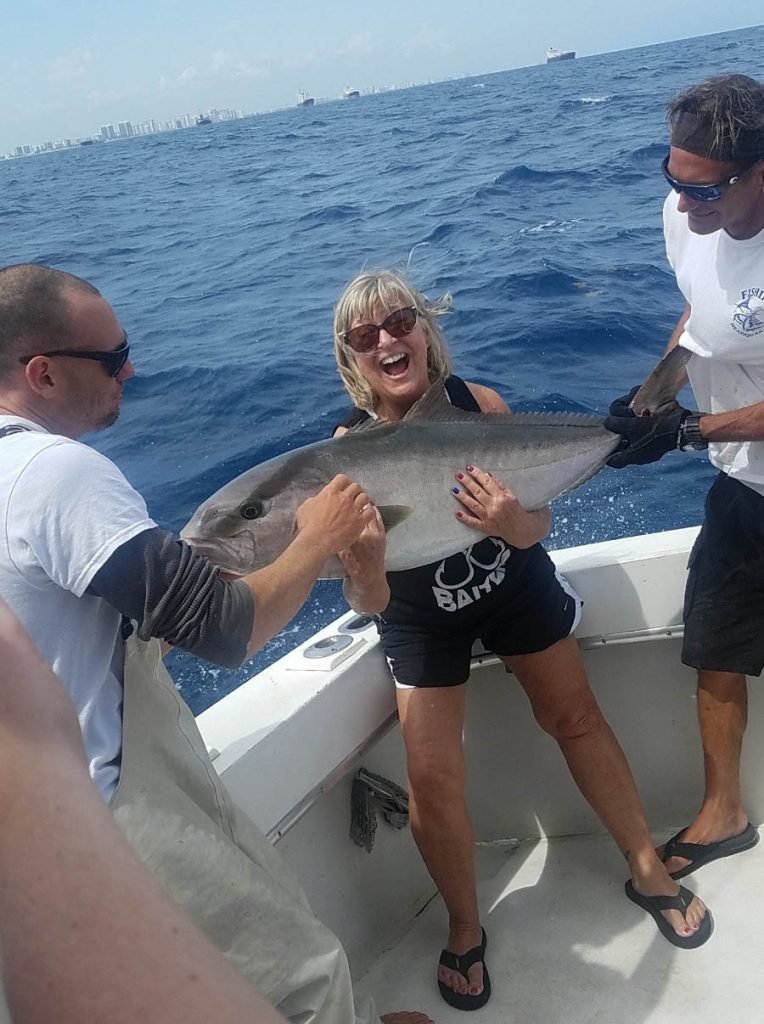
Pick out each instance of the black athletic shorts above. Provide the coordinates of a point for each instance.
(724, 598)
(530, 610)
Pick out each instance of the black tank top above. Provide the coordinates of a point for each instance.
(466, 587)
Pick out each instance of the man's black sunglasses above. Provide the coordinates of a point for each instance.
(113, 360)
(702, 193)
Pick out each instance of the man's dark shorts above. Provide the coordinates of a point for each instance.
(724, 598)
(537, 608)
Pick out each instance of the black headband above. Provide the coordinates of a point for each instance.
(694, 134)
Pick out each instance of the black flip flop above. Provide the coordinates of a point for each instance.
(655, 904)
(699, 854)
(462, 963)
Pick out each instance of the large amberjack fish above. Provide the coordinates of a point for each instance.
(407, 468)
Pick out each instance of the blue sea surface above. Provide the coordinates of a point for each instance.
(533, 196)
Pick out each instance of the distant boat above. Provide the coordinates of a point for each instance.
(349, 93)
(203, 119)
(303, 100)
(87, 142)
(553, 55)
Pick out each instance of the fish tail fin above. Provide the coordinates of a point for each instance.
(663, 384)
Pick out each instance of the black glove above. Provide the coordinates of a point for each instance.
(644, 438)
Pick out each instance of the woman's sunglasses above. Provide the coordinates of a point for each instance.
(701, 193)
(365, 337)
(113, 360)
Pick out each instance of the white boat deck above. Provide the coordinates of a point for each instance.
(565, 945)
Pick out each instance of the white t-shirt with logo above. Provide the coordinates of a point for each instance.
(722, 278)
(64, 509)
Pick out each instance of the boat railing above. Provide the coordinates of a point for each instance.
(290, 734)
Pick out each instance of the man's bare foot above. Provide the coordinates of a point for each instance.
(707, 829)
(406, 1017)
(460, 941)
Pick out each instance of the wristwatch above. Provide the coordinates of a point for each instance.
(690, 438)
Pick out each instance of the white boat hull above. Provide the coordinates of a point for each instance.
(291, 738)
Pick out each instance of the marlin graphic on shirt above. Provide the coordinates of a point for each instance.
(748, 318)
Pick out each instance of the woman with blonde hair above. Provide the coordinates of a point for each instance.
(390, 350)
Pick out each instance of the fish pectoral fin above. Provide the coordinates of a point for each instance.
(394, 514)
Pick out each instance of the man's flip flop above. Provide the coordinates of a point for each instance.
(655, 904)
(462, 964)
(699, 854)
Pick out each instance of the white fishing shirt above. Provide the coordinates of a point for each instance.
(722, 278)
(64, 510)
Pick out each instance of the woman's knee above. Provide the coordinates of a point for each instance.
(436, 777)
(570, 719)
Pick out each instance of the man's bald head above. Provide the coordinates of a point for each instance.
(34, 311)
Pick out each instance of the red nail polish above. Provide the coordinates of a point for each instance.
(460, 476)
(470, 469)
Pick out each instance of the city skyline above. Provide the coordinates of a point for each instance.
(65, 70)
(150, 126)
(123, 130)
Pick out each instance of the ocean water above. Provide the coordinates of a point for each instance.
(533, 196)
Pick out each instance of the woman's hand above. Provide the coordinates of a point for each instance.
(493, 509)
(365, 587)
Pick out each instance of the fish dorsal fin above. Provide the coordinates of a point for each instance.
(366, 425)
(550, 419)
(434, 405)
(394, 514)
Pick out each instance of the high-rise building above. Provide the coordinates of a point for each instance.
(125, 129)
(107, 132)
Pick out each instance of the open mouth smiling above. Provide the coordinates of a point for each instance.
(396, 364)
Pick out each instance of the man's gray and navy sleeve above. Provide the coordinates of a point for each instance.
(172, 592)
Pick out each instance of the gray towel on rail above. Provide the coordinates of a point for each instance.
(367, 788)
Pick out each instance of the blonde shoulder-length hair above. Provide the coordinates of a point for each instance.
(360, 301)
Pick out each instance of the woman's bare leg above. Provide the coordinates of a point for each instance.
(565, 707)
(432, 720)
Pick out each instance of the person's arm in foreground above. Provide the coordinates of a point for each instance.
(86, 934)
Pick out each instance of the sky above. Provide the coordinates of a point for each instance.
(68, 67)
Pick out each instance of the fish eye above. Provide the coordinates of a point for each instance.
(251, 510)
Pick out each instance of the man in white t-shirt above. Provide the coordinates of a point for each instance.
(79, 549)
(79, 554)
(714, 230)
